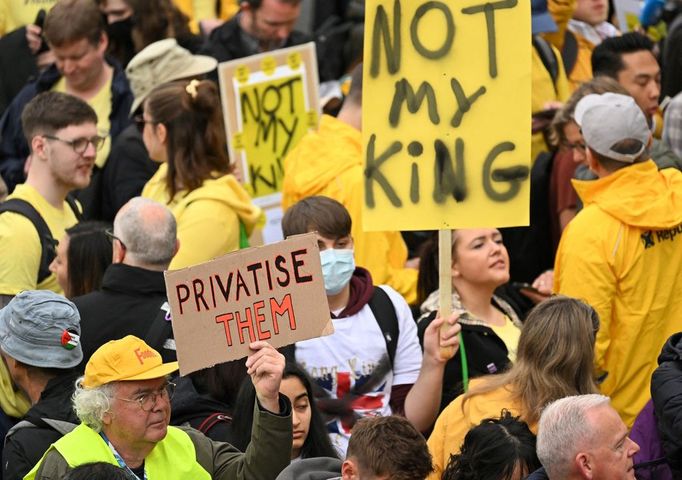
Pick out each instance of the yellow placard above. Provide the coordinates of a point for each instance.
(274, 118)
(446, 114)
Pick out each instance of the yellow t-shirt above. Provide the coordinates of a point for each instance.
(101, 104)
(17, 13)
(509, 333)
(198, 10)
(20, 246)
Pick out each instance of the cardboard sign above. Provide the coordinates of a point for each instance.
(270, 101)
(274, 293)
(446, 114)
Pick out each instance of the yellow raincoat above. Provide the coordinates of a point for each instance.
(208, 218)
(623, 255)
(455, 421)
(329, 162)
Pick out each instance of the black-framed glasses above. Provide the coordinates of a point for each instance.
(141, 122)
(109, 232)
(573, 146)
(80, 145)
(147, 401)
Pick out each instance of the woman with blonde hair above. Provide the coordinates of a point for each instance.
(183, 130)
(554, 360)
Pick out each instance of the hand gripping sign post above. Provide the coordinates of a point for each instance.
(270, 101)
(274, 293)
(446, 118)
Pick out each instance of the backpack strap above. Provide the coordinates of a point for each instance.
(212, 420)
(48, 244)
(548, 57)
(569, 52)
(73, 205)
(385, 315)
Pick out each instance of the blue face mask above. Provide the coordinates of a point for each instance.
(337, 268)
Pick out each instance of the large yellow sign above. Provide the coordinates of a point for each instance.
(446, 114)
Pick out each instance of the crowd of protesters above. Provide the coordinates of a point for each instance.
(114, 168)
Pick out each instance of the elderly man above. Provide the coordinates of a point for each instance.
(123, 402)
(132, 300)
(582, 437)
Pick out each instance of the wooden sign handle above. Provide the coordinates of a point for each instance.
(445, 283)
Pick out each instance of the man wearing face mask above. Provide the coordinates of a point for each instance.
(372, 365)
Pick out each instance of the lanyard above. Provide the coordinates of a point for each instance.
(119, 459)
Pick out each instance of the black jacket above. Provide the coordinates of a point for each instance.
(486, 354)
(666, 393)
(127, 170)
(128, 303)
(24, 447)
(191, 408)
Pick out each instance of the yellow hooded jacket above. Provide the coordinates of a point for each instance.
(329, 162)
(623, 255)
(458, 418)
(208, 218)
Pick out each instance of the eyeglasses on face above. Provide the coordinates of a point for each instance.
(110, 233)
(147, 400)
(573, 146)
(141, 122)
(80, 145)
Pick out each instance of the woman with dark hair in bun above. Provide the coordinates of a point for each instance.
(183, 130)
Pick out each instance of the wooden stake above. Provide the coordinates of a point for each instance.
(445, 283)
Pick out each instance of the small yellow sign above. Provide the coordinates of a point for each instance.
(242, 74)
(268, 65)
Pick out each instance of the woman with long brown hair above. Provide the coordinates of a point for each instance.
(554, 360)
(183, 130)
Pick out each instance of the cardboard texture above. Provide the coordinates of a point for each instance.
(446, 114)
(273, 293)
(270, 101)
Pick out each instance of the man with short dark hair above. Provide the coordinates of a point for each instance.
(62, 132)
(74, 30)
(39, 342)
(386, 448)
(132, 300)
(260, 26)
(372, 364)
(629, 59)
(623, 252)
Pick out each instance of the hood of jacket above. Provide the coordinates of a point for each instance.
(638, 195)
(55, 400)
(225, 189)
(323, 155)
(672, 350)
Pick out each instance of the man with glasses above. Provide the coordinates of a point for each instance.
(132, 299)
(123, 402)
(75, 32)
(39, 338)
(62, 132)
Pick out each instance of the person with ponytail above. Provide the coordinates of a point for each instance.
(490, 326)
(183, 130)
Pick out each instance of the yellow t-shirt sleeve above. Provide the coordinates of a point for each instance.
(20, 259)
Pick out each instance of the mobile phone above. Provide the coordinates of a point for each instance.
(40, 21)
(527, 286)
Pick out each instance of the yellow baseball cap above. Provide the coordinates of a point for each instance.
(129, 358)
